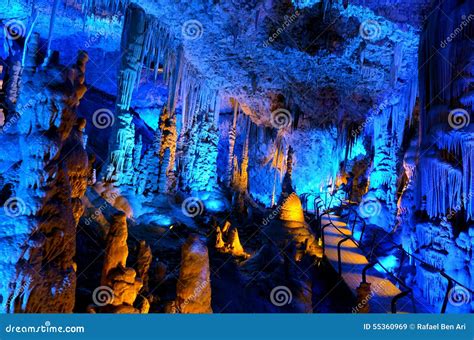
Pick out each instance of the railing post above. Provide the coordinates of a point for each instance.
(364, 271)
(448, 289)
(339, 260)
(396, 298)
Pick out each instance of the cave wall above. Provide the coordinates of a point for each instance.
(441, 184)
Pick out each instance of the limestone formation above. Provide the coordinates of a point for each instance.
(228, 241)
(122, 140)
(364, 103)
(122, 280)
(143, 263)
(194, 286)
(116, 252)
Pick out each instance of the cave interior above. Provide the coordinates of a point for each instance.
(236, 156)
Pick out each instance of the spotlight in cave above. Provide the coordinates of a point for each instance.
(287, 157)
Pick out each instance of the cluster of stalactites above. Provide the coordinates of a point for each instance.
(448, 86)
(162, 53)
(441, 185)
(110, 7)
(461, 145)
(446, 82)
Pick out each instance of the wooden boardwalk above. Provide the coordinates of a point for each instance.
(353, 262)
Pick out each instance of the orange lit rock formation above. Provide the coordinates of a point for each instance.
(194, 285)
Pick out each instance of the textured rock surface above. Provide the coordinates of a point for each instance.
(48, 186)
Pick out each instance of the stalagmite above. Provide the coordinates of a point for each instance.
(194, 286)
(199, 156)
(219, 239)
(116, 252)
(234, 243)
(228, 241)
(147, 173)
(291, 208)
(122, 280)
(120, 167)
(144, 262)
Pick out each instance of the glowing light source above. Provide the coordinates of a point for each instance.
(389, 263)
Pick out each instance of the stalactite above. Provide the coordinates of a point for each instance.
(461, 143)
(51, 30)
(396, 62)
(111, 6)
(232, 136)
(446, 85)
(31, 49)
(441, 184)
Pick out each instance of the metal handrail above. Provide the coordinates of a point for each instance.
(448, 289)
(358, 244)
(398, 297)
(451, 281)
